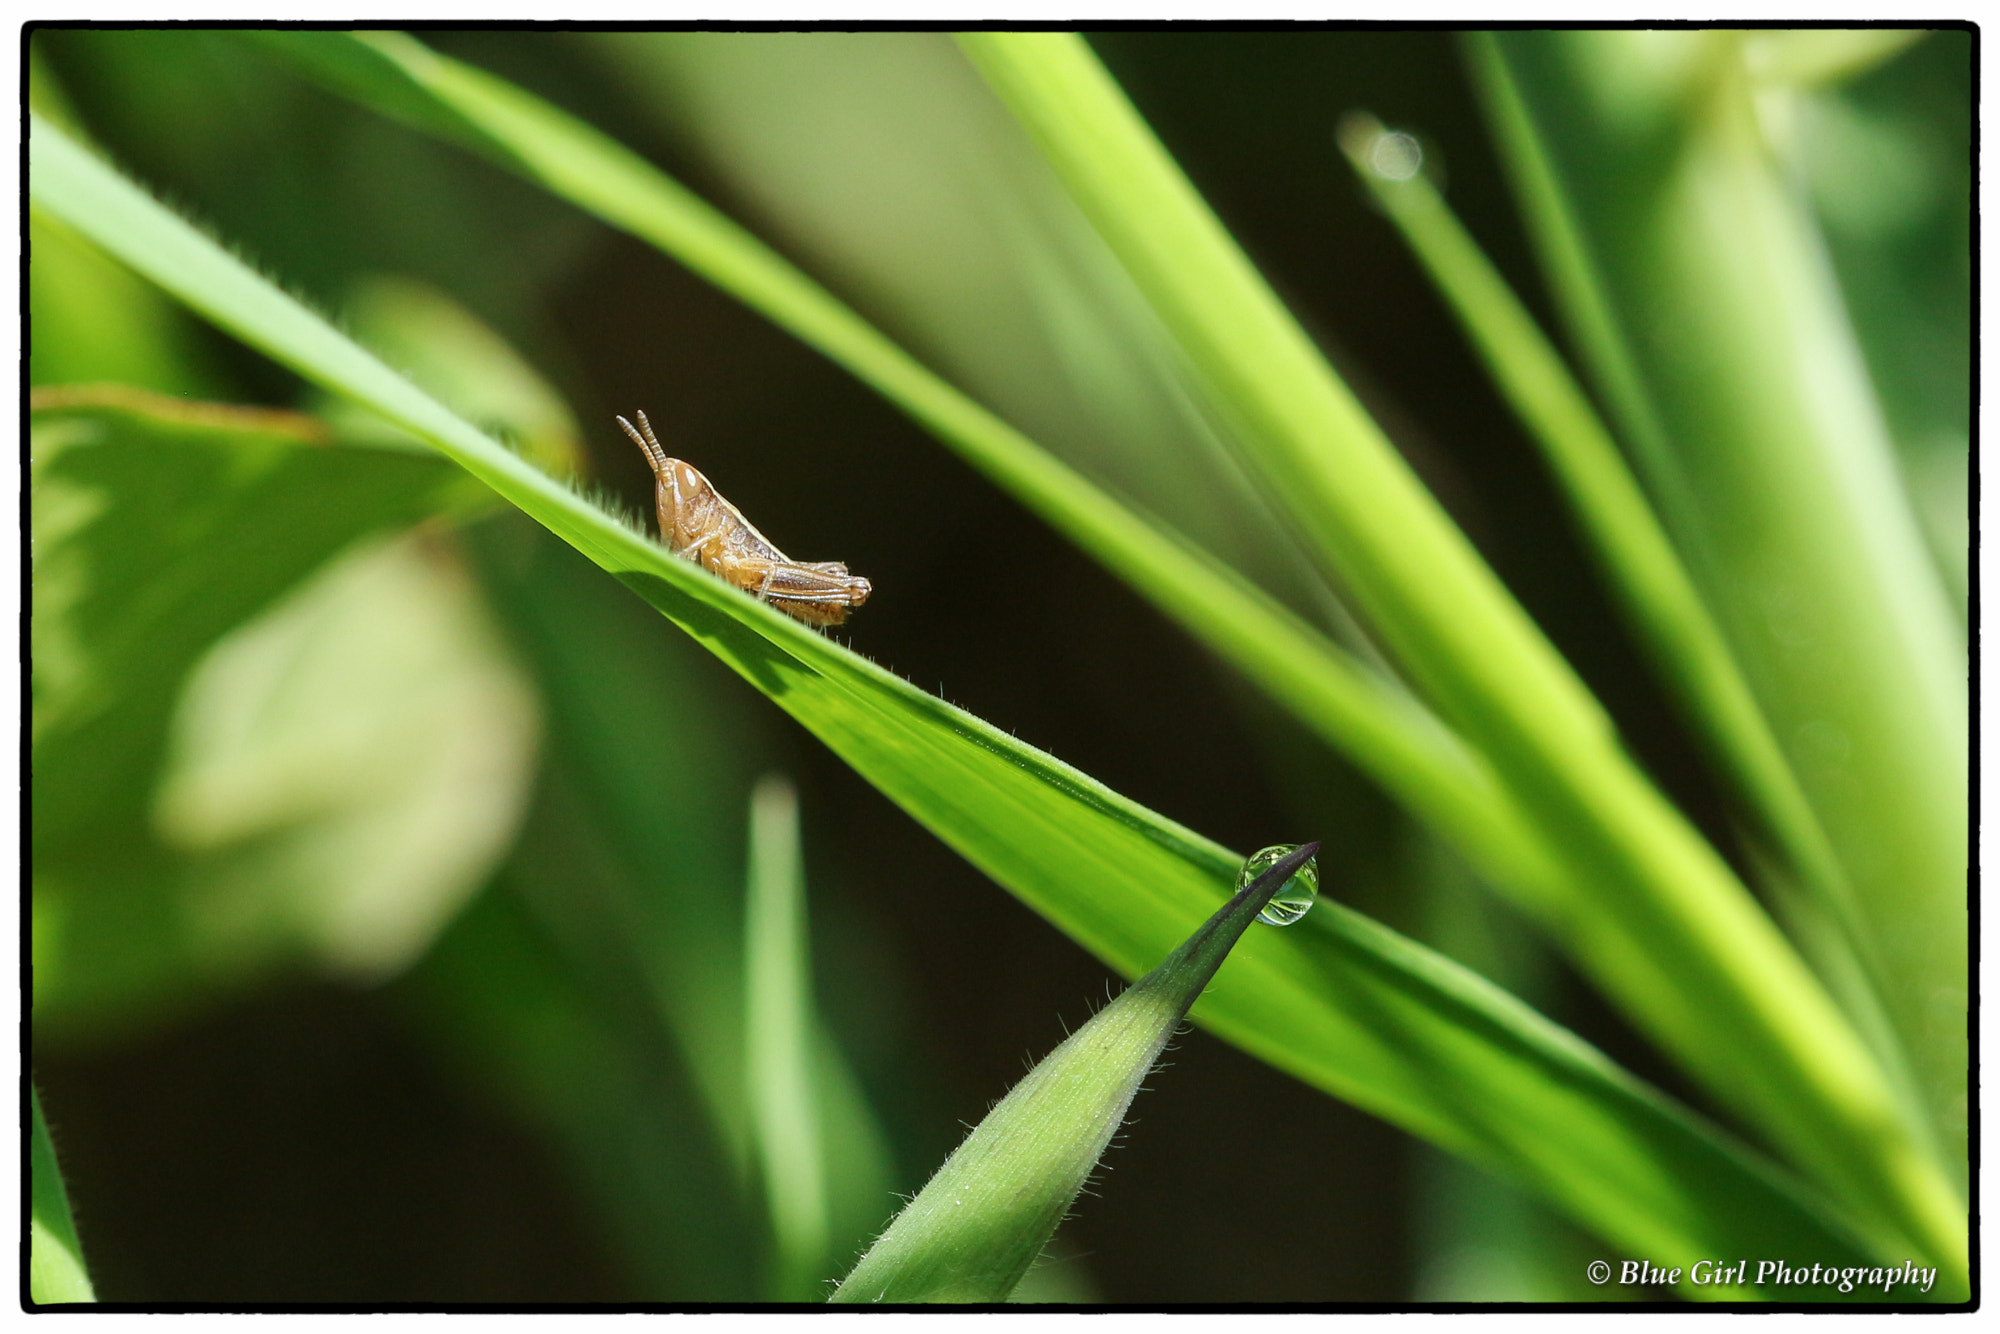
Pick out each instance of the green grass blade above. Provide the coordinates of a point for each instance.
(1702, 300)
(1359, 507)
(1632, 548)
(1652, 905)
(778, 1032)
(1614, 513)
(976, 1227)
(55, 1258)
(1361, 1012)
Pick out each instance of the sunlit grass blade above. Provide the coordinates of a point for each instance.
(55, 1258)
(974, 1230)
(1698, 287)
(1633, 550)
(778, 1033)
(1650, 905)
(1362, 1012)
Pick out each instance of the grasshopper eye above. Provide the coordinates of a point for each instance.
(687, 481)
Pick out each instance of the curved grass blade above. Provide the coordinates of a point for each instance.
(974, 1230)
(1650, 910)
(1363, 1013)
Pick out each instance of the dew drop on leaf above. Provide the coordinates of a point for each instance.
(1295, 897)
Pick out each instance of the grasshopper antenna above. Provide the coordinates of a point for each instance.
(648, 444)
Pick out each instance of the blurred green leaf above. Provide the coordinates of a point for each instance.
(1823, 55)
(367, 743)
(630, 870)
(1884, 159)
(95, 322)
(555, 1034)
(779, 1023)
(654, 836)
(1698, 285)
(442, 346)
(198, 810)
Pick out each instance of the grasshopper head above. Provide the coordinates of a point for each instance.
(685, 480)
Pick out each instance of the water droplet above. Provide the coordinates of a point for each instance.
(1397, 156)
(1295, 897)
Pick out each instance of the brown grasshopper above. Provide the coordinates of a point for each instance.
(696, 522)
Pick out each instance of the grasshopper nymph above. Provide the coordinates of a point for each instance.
(696, 522)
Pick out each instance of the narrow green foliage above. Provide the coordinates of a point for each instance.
(1637, 558)
(973, 1232)
(778, 1030)
(55, 1259)
(1339, 1001)
(1385, 731)
(1646, 904)
(1697, 284)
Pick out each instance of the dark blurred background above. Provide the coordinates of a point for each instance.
(290, 1138)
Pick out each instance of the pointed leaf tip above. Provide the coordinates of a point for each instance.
(972, 1233)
